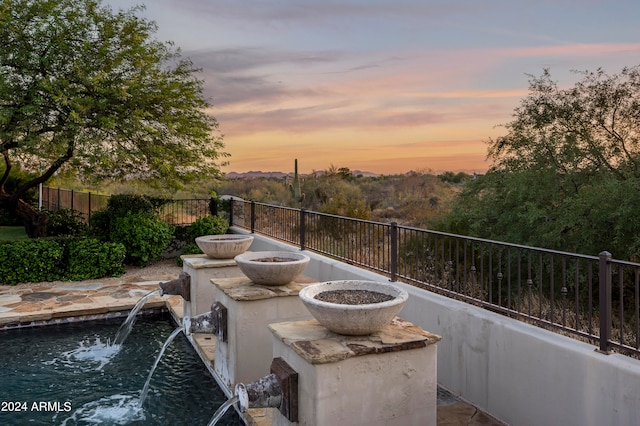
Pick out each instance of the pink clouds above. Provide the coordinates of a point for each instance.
(381, 85)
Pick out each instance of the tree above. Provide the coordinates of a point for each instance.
(579, 132)
(563, 174)
(87, 89)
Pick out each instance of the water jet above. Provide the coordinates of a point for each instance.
(126, 327)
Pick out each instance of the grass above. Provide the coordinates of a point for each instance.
(12, 233)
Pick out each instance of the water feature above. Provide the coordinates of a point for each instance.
(274, 268)
(222, 410)
(51, 375)
(127, 325)
(145, 389)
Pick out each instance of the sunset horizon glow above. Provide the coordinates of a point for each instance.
(383, 86)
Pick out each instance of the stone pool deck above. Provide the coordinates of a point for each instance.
(28, 305)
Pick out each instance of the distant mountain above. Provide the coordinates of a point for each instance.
(261, 174)
(363, 173)
(257, 174)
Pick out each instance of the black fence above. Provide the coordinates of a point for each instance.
(174, 212)
(592, 298)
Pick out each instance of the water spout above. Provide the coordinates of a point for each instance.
(277, 390)
(212, 322)
(180, 286)
(263, 393)
(203, 323)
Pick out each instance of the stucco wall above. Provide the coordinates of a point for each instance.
(521, 374)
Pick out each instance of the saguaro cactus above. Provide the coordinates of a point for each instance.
(294, 187)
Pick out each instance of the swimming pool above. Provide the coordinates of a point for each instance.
(69, 375)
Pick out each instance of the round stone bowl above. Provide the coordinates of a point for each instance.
(272, 267)
(355, 318)
(225, 246)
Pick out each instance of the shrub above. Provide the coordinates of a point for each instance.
(59, 258)
(90, 258)
(100, 223)
(66, 222)
(122, 205)
(144, 237)
(208, 225)
(181, 233)
(32, 260)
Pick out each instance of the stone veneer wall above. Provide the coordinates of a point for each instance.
(520, 374)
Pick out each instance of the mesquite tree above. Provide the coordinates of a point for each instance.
(566, 173)
(89, 89)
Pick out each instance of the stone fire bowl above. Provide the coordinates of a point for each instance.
(272, 267)
(225, 246)
(356, 319)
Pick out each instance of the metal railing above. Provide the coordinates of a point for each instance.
(174, 212)
(591, 298)
(184, 211)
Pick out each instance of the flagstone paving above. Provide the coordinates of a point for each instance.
(36, 304)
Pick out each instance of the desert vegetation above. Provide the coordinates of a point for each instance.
(419, 199)
(565, 174)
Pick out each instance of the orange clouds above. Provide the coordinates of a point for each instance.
(388, 151)
(383, 86)
(412, 110)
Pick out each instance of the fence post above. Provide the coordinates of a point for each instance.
(303, 232)
(213, 206)
(58, 199)
(230, 212)
(253, 216)
(605, 301)
(89, 208)
(394, 252)
(72, 197)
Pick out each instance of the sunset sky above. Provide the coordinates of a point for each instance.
(383, 86)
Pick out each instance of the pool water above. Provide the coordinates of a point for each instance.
(70, 375)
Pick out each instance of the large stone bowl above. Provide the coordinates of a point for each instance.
(354, 318)
(225, 246)
(272, 267)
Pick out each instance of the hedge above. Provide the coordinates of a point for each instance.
(91, 258)
(52, 259)
(30, 261)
